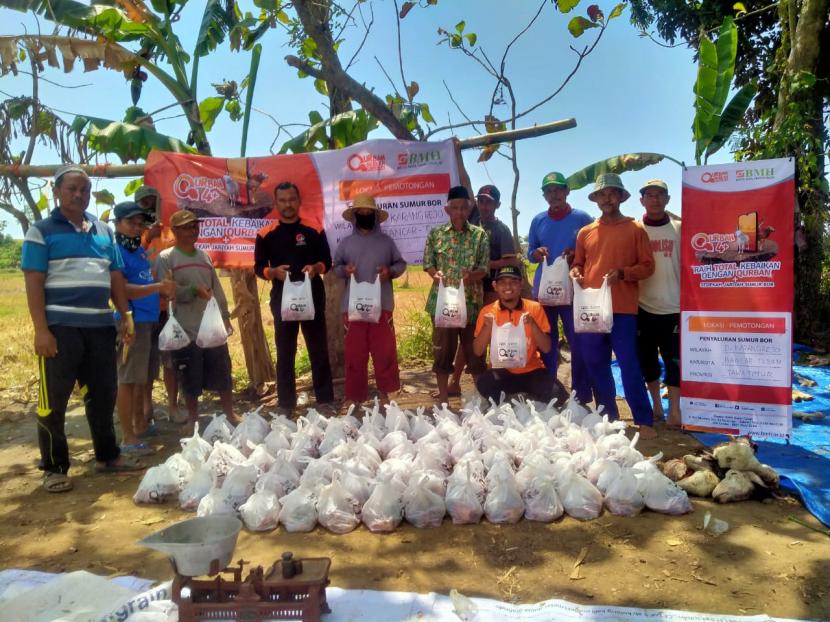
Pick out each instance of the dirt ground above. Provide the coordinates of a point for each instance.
(766, 563)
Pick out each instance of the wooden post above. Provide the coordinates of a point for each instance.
(248, 315)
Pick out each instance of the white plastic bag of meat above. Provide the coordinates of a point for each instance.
(219, 429)
(337, 510)
(580, 498)
(215, 502)
(261, 511)
(299, 510)
(462, 500)
(159, 484)
(541, 500)
(622, 496)
(422, 506)
(384, 509)
(504, 502)
(663, 495)
(198, 486)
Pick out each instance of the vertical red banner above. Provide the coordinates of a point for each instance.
(737, 297)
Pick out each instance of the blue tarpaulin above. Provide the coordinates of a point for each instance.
(804, 463)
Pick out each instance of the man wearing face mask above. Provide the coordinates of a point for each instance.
(72, 270)
(367, 254)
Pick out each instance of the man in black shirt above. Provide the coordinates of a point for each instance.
(288, 250)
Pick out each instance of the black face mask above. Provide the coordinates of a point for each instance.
(131, 244)
(365, 221)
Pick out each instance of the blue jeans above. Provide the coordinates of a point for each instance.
(580, 382)
(596, 356)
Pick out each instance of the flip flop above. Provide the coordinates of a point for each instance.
(124, 465)
(57, 482)
(137, 449)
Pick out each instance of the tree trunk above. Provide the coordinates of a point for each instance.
(247, 312)
(806, 104)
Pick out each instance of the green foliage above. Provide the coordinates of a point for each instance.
(714, 124)
(566, 6)
(111, 22)
(578, 25)
(617, 164)
(10, 252)
(104, 197)
(216, 23)
(131, 187)
(129, 142)
(344, 129)
(415, 337)
(209, 109)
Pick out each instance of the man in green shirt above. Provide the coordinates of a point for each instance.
(454, 252)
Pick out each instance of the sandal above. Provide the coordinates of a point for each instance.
(57, 482)
(123, 464)
(137, 449)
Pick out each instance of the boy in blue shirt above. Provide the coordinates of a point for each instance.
(553, 233)
(144, 295)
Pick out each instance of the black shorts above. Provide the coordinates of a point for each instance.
(445, 343)
(659, 335)
(203, 369)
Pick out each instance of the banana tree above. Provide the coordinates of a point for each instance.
(160, 53)
(715, 120)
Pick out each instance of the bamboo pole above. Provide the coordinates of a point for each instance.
(137, 170)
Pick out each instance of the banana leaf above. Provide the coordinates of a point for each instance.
(617, 164)
(129, 142)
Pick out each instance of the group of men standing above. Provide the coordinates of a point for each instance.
(75, 265)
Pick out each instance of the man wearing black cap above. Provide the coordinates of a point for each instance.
(530, 378)
(72, 270)
(144, 295)
(456, 252)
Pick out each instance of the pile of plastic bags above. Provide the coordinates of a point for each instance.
(502, 462)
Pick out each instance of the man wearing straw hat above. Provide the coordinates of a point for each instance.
(367, 254)
(72, 270)
(615, 247)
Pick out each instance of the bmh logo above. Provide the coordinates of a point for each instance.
(412, 160)
(366, 162)
(748, 174)
(715, 177)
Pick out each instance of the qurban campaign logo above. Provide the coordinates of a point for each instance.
(198, 188)
(750, 174)
(366, 162)
(414, 160)
(712, 242)
(714, 177)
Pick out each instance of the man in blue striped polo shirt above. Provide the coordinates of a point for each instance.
(72, 269)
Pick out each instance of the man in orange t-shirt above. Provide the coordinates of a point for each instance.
(532, 378)
(616, 248)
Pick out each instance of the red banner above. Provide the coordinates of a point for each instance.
(737, 297)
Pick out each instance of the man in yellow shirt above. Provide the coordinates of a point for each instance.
(531, 377)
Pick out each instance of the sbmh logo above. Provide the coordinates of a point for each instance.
(748, 174)
(508, 352)
(412, 160)
(450, 311)
(591, 317)
(714, 177)
(366, 162)
(554, 290)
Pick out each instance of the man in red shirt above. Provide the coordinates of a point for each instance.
(532, 377)
(615, 247)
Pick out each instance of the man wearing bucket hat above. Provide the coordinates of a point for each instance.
(367, 254)
(658, 321)
(144, 295)
(616, 248)
(290, 250)
(72, 270)
(553, 234)
(454, 252)
(532, 378)
(196, 281)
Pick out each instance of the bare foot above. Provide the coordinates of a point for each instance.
(647, 431)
